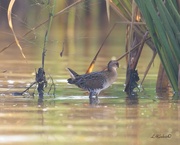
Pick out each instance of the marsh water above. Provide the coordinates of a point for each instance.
(67, 118)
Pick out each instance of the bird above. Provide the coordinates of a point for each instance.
(95, 82)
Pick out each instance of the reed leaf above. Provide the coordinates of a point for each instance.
(124, 7)
(9, 12)
(108, 10)
(162, 19)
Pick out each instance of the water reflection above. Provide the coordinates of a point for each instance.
(132, 99)
(129, 121)
(132, 112)
(68, 118)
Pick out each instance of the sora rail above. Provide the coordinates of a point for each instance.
(95, 82)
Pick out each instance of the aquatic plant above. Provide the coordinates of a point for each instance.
(163, 20)
(136, 36)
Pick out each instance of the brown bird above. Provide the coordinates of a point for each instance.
(95, 82)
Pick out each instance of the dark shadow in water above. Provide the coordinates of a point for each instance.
(132, 99)
(132, 113)
(40, 102)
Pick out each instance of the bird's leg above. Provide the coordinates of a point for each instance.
(96, 99)
(90, 98)
(93, 100)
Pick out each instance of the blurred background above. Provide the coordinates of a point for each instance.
(79, 30)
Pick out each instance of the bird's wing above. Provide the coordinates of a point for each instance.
(91, 81)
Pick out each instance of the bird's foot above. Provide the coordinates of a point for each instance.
(94, 101)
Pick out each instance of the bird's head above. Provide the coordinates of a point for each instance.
(113, 64)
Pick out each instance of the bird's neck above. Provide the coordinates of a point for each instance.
(112, 70)
(112, 73)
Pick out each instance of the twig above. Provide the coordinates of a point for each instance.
(95, 57)
(28, 88)
(40, 76)
(62, 51)
(53, 84)
(44, 49)
(148, 67)
(135, 47)
(50, 19)
(132, 74)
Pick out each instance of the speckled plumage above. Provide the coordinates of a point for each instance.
(95, 82)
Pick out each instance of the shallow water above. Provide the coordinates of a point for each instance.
(73, 121)
(67, 118)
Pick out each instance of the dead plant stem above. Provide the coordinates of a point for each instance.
(95, 57)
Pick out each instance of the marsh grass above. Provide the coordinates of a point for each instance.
(9, 12)
(162, 20)
(136, 31)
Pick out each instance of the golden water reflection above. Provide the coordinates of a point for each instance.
(68, 119)
(60, 122)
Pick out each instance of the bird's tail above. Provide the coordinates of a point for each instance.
(73, 75)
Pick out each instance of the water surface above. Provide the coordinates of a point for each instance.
(67, 118)
(114, 121)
